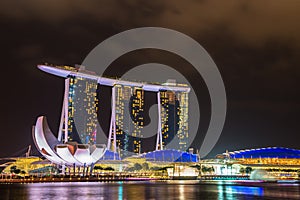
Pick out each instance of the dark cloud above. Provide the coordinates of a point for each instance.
(251, 21)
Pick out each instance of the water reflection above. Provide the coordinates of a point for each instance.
(120, 192)
(229, 191)
(150, 190)
(61, 191)
(181, 192)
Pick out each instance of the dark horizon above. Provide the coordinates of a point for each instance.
(256, 46)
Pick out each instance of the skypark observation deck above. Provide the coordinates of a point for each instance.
(65, 71)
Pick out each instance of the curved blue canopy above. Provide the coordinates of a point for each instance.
(269, 152)
(170, 155)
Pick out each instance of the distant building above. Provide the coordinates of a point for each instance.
(263, 153)
(270, 163)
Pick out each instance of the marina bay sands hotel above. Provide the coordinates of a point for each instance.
(79, 111)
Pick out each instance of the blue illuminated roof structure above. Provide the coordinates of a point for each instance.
(268, 152)
(169, 155)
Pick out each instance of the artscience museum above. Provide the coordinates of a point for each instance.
(69, 153)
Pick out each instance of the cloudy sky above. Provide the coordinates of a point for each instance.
(255, 44)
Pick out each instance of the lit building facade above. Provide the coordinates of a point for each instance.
(174, 117)
(82, 101)
(129, 118)
(270, 163)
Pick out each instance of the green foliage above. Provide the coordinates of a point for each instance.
(196, 166)
(155, 168)
(138, 166)
(242, 170)
(130, 169)
(145, 166)
(98, 167)
(165, 168)
(109, 169)
(248, 170)
(207, 169)
(13, 169)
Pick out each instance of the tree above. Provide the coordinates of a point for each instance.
(207, 169)
(242, 170)
(211, 169)
(165, 168)
(154, 168)
(98, 167)
(248, 170)
(145, 166)
(137, 166)
(129, 169)
(109, 169)
(12, 169)
(196, 166)
(204, 169)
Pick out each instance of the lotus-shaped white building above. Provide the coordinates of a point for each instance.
(69, 153)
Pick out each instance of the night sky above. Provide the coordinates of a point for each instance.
(255, 44)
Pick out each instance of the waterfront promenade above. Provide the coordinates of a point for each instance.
(107, 177)
(70, 178)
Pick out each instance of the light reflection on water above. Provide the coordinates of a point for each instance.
(150, 190)
(120, 192)
(229, 191)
